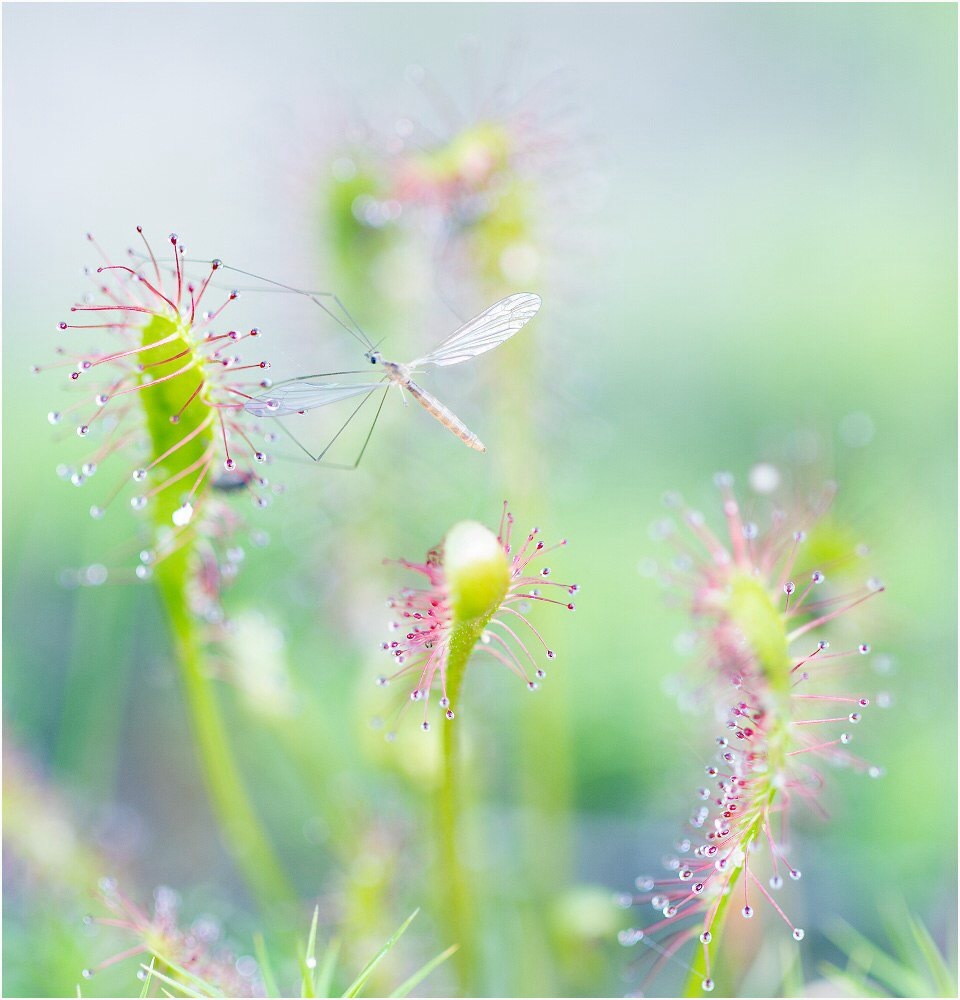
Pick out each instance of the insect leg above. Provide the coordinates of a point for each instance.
(353, 328)
(376, 417)
(318, 458)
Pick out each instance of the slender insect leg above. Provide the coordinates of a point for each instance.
(354, 328)
(331, 295)
(346, 312)
(366, 440)
(351, 326)
(318, 458)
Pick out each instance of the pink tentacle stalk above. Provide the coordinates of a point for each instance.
(197, 949)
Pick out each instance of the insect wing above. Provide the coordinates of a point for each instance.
(485, 332)
(299, 395)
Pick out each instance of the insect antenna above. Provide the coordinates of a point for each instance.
(307, 378)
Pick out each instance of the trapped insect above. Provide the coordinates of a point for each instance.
(484, 332)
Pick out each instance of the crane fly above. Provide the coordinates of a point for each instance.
(483, 333)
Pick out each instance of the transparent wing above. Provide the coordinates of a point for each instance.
(484, 332)
(298, 395)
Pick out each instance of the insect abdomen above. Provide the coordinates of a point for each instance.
(449, 420)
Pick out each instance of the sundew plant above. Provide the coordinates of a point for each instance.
(482, 189)
(762, 601)
(295, 703)
(480, 587)
(163, 415)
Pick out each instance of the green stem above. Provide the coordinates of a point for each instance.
(757, 616)
(457, 909)
(477, 576)
(245, 837)
(776, 765)
(698, 971)
(546, 833)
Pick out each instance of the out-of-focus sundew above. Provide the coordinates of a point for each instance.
(462, 196)
(42, 842)
(760, 600)
(159, 940)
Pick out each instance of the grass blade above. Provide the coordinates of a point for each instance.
(871, 961)
(792, 977)
(266, 970)
(327, 968)
(404, 988)
(187, 991)
(309, 963)
(852, 984)
(147, 979)
(354, 988)
(941, 977)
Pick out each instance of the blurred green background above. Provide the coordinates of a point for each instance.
(774, 251)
